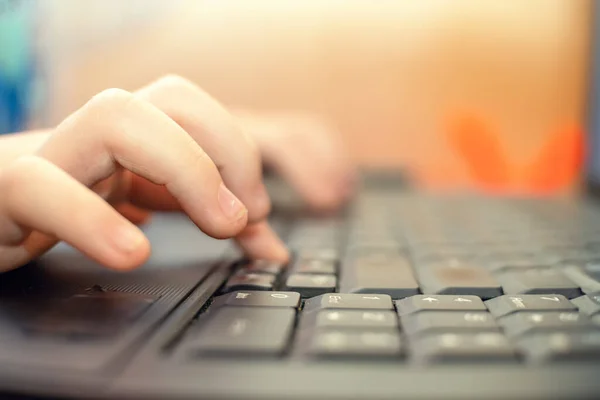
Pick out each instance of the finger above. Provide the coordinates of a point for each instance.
(308, 154)
(259, 239)
(119, 130)
(39, 196)
(219, 134)
(36, 244)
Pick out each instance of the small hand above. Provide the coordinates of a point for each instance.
(168, 146)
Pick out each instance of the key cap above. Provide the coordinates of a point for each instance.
(508, 304)
(592, 268)
(263, 266)
(439, 302)
(561, 346)
(522, 323)
(392, 276)
(581, 278)
(243, 281)
(451, 321)
(374, 254)
(538, 281)
(244, 331)
(588, 305)
(455, 347)
(253, 298)
(311, 285)
(367, 319)
(314, 266)
(502, 262)
(456, 277)
(364, 343)
(322, 253)
(349, 301)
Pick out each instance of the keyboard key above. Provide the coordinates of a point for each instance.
(588, 305)
(390, 275)
(311, 285)
(252, 281)
(439, 253)
(259, 299)
(461, 347)
(263, 266)
(539, 281)
(574, 255)
(592, 268)
(501, 262)
(314, 266)
(581, 278)
(508, 304)
(561, 346)
(323, 253)
(522, 323)
(349, 301)
(450, 321)
(244, 331)
(439, 303)
(374, 254)
(354, 319)
(457, 277)
(364, 343)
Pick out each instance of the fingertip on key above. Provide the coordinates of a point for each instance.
(259, 241)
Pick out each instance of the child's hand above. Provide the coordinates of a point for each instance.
(168, 146)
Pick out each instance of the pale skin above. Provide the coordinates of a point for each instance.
(167, 146)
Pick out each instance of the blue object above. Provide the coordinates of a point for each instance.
(17, 64)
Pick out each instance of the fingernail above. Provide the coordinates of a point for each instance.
(127, 239)
(231, 206)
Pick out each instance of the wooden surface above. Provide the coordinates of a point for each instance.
(390, 74)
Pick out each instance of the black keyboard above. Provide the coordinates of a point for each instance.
(400, 296)
(416, 279)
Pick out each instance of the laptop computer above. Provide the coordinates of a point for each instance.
(403, 295)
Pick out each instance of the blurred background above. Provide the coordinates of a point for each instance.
(458, 92)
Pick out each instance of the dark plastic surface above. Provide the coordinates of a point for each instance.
(147, 363)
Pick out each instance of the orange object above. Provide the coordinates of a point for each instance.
(558, 163)
(555, 168)
(480, 148)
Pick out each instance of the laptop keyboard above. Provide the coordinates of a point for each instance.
(416, 279)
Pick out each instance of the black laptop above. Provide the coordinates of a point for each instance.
(403, 295)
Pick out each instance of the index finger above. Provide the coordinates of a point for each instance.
(118, 129)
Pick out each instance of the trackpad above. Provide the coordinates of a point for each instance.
(92, 316)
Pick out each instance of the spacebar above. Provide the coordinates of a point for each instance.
(393, 277)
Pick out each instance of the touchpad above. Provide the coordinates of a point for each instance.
(89, 316)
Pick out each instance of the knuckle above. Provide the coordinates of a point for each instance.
(110, 109)
(175, 81)
(200, 161)
(111, 99)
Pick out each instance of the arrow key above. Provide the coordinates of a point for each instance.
(439, 303)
